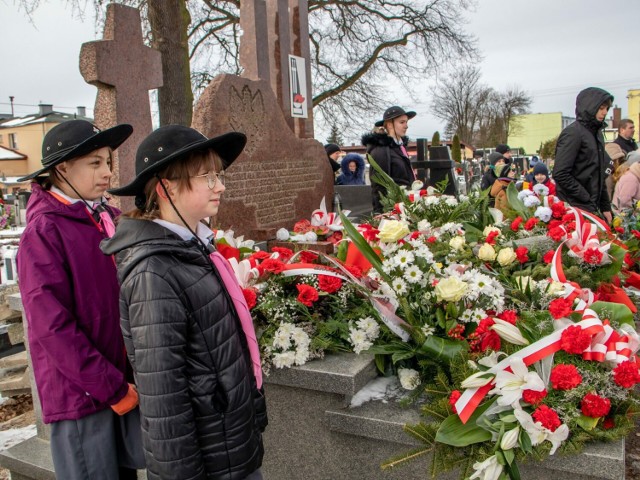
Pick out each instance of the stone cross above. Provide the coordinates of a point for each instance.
(124, 70)
(273, 29)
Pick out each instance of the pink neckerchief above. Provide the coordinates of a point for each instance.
(105, 225)
(404, 152)
(232, 286)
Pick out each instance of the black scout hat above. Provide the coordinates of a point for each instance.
(394, 112)
(173, 142)
(76, 138)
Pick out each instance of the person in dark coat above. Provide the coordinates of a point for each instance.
(186, 325)
(333, 153)
(387, 144)
(496, 159)
(70, 296)
(352, 166)
(626, 129)
(581, 165)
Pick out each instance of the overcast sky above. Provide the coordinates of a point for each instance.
(550, 48)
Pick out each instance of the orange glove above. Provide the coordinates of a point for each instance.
(128, 402)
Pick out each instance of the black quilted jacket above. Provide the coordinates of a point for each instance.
(202, 415)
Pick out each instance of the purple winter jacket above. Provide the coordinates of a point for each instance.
(70, 295)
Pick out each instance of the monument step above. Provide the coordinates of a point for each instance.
(16, 360)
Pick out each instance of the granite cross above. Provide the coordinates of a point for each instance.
(124, 70)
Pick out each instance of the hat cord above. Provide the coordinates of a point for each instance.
(94, 211)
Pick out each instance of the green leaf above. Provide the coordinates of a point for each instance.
(509, 456)
(587, 423)
(380, 362)
(443, 349)
(342, 251)
(399, 356)
(615, 312)
(514, 202)
(525, 441)
(441, 318)
(513, 471)
(457, 434)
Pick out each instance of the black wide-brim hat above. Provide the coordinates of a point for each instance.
(394, 112)
(76, 138)
(174, 142)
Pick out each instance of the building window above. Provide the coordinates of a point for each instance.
(13, 141)
(1, 140)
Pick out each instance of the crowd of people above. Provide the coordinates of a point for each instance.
(143, 348)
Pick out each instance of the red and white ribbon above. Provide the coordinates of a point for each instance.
(623, 347)
(322, 218)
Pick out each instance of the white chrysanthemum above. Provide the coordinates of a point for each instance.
(359, 340)
(284, 360)
(531, 201)
(424, 225)
(409, 378)
(451, 227)
(543, 213)
(524, 193)
(541, 189)
(282, 337)
(388, 266)
(451, 201)
(474, 315)
(416, 242)
(300, 338)
(403, 258)
(424, 253)
(387, 290)
(428, 330)
(431, 200)
(301, 356)
(463, 198)
(413, 274)
(399, 286)
(370, 327)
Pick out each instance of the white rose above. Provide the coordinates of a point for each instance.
(451, 289)
(555, 288)
(506, 256)
(409, 379)
(487, 253)
(393, 230)
(457, 243)
(311, 237)
(282, 234)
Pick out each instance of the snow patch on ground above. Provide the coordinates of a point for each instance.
(380, 388)
(9, 438)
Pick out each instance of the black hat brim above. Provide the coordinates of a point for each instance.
(112, 137)
(410, 114)
(228, 146)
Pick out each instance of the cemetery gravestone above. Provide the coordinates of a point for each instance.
(124, 70)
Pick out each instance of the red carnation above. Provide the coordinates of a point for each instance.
(307, 294)
(568, 217)
(285, 253)
(509, 316)
(547, 417)
(595, 406)
(271, 265)
(554, 224)
(629, 260)
(636, 234)
(558, 210)
(626, 374)
(335, 237)
(533, 397)
(250, 297)
(453, 398)
(571, 226)
(483, 338)
(354, 270)
(608, 423)
(531, 223)
(565, 377)
(560, 307)
(574, 340)
(303, 226)
(260, 255)
(515, 225)
(329, 284)
(307, 256)
(548, 257)
(369, 233)
(491, 238)
(592, 256)
(556, 234)
(522, 253)
(431, 240)
(619, 229)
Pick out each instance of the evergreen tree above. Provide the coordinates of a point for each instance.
(335, 136)
(456, 152)
(435, 140)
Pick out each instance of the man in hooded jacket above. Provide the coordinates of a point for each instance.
(580, 164)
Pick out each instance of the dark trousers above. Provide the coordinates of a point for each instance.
(101, 446)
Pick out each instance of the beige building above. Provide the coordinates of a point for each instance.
(21, 142)
(529, 131)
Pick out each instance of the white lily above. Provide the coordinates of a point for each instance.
(510, 385)
(538, 433)
(510, 439)
(508, 332)
(243, 271)
(490, 469)
(492, 359)
(478, 379)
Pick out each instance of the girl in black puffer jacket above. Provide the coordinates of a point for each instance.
(183, 316)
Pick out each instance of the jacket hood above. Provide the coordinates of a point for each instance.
(43, 203)
(135, 240)
(587, 104)
(347, 159)
(373, 139)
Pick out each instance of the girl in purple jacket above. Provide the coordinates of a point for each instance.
(70, 295)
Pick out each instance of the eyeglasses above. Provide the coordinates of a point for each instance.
(212, 177)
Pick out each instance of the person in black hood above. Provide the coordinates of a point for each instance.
(580, 165)
(387, 144)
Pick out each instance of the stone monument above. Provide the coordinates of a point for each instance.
(124, 70)
(282, 174)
